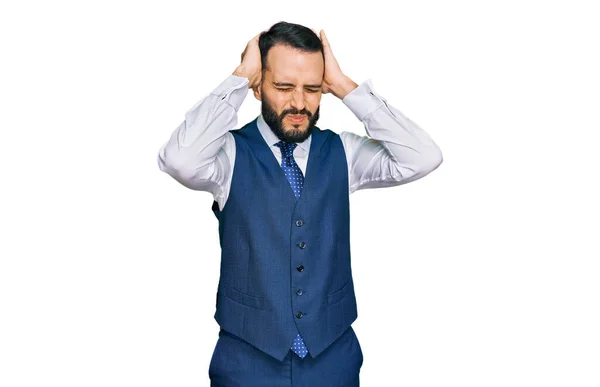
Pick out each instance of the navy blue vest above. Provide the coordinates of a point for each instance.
(285, 263)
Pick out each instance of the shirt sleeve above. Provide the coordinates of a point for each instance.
(396, 150)
(199, 154)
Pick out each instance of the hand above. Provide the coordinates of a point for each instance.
(333, 74)
(250, 66)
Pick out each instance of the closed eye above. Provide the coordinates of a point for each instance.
(309, 90)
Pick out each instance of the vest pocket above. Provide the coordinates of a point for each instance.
(243, 298)
(336, 296)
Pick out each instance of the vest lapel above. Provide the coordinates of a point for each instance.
(271, 166)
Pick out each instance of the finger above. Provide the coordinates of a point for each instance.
(326, 44)
(324, 38)
(255, 39)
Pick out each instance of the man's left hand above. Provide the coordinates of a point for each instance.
(334, 80)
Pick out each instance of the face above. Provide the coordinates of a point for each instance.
(290, 92)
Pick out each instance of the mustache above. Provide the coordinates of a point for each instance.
(296, 111)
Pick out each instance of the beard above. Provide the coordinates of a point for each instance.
(275, 122)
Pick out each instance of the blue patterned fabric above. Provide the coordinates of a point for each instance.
(298, 347)
(292, 171)
(272, 242)
(294, 175)
(236, 362)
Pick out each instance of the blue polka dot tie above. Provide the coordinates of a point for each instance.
(298, 346)
(292, 171)
(294, 175)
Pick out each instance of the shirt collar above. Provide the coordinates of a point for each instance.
(271, 139)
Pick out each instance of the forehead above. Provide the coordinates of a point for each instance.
(292, 65)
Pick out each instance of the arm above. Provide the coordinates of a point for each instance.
(197, 154)
(200, 153)
(396, 150)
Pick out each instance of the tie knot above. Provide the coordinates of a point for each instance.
(287, 148)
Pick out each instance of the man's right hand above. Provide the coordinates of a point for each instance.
(250, 66)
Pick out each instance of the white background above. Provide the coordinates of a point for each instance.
(484, 273)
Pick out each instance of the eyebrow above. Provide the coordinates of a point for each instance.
(281, 84)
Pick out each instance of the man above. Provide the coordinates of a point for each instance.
(285, 300)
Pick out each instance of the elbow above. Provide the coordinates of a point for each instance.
(175, 165)
(169, 162)
(423, 166)
(434, 159)
(186, 172)
(431, 161)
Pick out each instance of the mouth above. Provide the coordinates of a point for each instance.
(296, 119)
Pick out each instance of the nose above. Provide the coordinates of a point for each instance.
(297, 101)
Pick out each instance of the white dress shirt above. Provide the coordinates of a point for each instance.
(200, 153)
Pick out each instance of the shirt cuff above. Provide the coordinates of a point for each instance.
(233, 90)
(363, 100)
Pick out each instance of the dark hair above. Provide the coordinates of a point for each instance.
(289, 34)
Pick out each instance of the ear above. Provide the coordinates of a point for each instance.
(257, 94)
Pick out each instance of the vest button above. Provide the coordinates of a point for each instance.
(299, 315)
(302, 245)
(300, 268)
(299, 292)
(299, 223)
